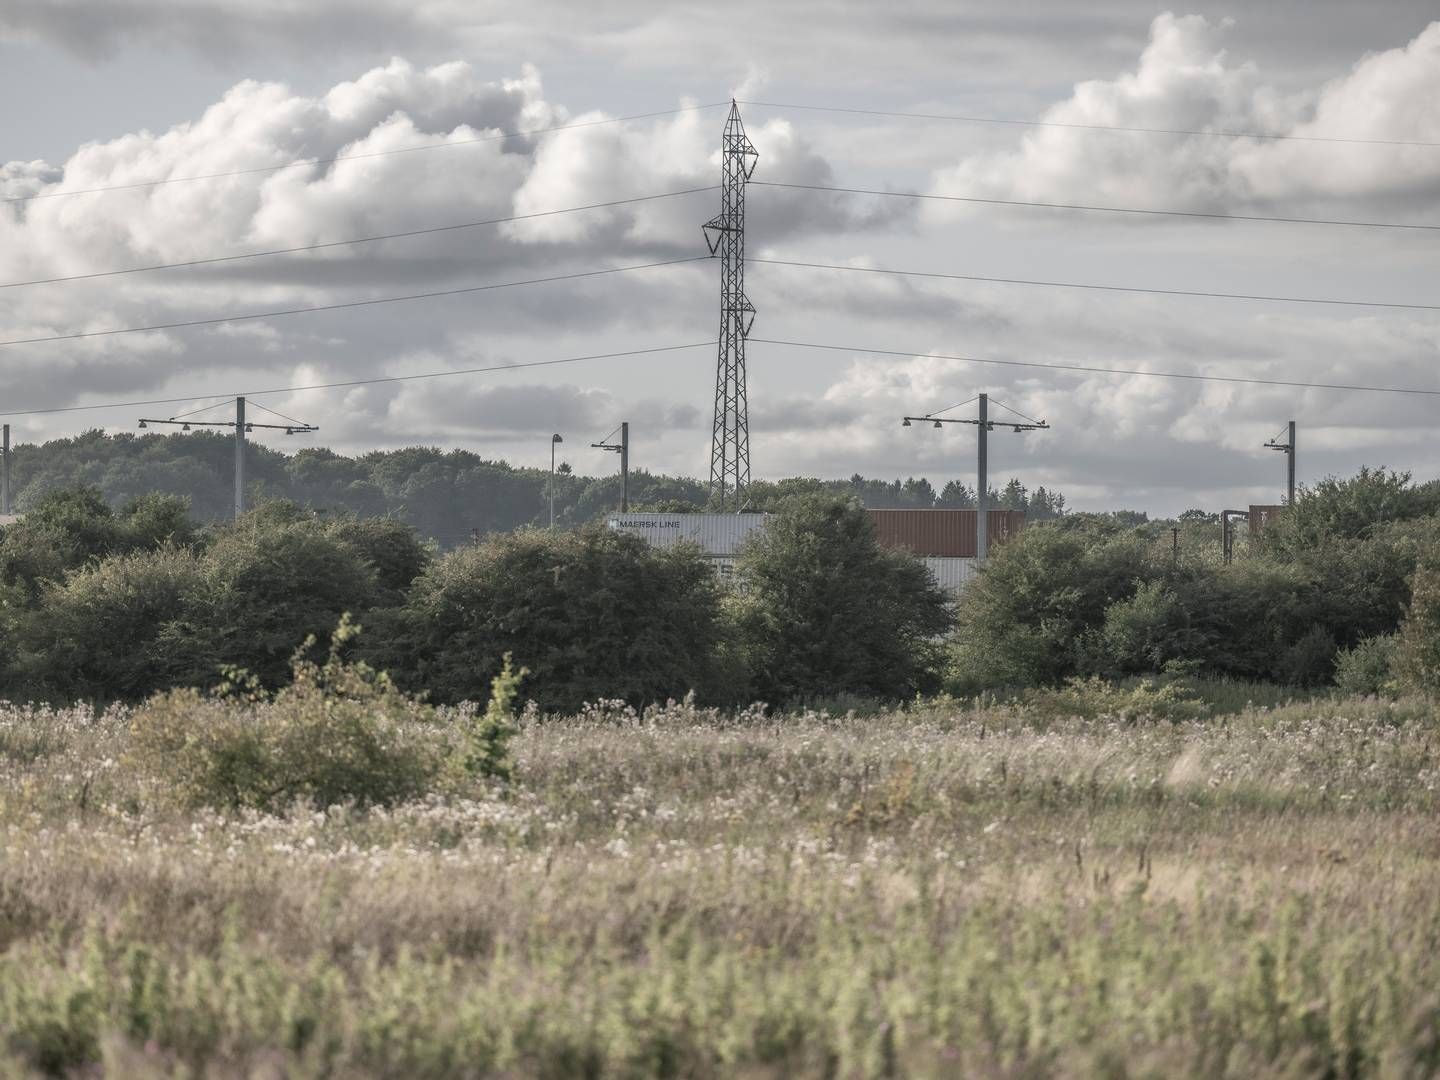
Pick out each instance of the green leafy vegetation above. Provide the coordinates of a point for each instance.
(447, 496)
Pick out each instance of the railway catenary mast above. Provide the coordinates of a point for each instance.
(725, 235)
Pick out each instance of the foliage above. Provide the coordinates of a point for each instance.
(1366, 667)
(1417, 650)
(273, 579)
(447, 496)
(116, 629)
(593, 613)
(68, 528)
(339, 732)
(485, 738)
(1094, 698)
(823, 609)
(1026, 619)
(1348, 509)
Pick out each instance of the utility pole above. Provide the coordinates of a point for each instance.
(623, 449)
(982, 489)
(241, 426)
(982, 458)
(725, 236)
(239, 457)
(1288, 449)
(5, 473)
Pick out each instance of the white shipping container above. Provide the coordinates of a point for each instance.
(714, 534)
(951, 574)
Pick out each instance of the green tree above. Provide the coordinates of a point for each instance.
(591, 613)
(1417, 652)
(823, 609)
(956, 496)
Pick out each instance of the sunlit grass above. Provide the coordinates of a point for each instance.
(952, 890)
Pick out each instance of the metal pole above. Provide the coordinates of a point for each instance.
(5, 474)
(1291, 464)
(982, 490)
(625, 466)
(552, 483)
(239, 457)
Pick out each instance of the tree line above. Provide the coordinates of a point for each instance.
(448, 496)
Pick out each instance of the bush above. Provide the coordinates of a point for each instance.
(1142, 633)
(592, 614)
(114, 629)
(822, 609)
(1365, 668)
(1349, 509)
(272, 579)
(1095, 698)
(1029, 617)
(338, 733)
(1417, 651)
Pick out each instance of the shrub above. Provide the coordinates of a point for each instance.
(1144, 632)
(822, 609)
(1349, 509)
(1365, 668)
(273, 579)
(114, 629)
(1028, 617)
(1095, 698)
(591, 614)
(1417, 651)
(339, 732)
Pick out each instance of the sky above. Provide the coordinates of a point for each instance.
(117, 93)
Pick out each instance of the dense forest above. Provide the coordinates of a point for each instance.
(448, 496)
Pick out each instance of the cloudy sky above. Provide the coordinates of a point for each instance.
(110, 93)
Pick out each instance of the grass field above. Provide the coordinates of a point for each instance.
(943, 892)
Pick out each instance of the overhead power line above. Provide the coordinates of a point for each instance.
(308, 162)
(246, 316)
(1096, 370)
(1269, 136)
(356, 240)
(1101, 209)
(446, 373)
(1086, 285)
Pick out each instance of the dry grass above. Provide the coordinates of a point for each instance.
(940, 892)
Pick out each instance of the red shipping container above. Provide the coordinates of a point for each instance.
(942, 533)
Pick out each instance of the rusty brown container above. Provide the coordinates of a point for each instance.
(945, 534)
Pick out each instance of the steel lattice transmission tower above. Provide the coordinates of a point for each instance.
(725, 234)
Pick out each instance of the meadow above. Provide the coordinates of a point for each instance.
(1092, 885)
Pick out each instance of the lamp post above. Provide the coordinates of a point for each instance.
(554, 439)
(984, 425)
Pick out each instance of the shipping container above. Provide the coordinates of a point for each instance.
(942, 533)
(714, 534)
(952, 575)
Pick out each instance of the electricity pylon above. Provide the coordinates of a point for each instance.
(725, 235)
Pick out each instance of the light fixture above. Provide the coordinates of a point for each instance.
(142, 425)
(937, 423)
(905, 422)
(184, 427)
